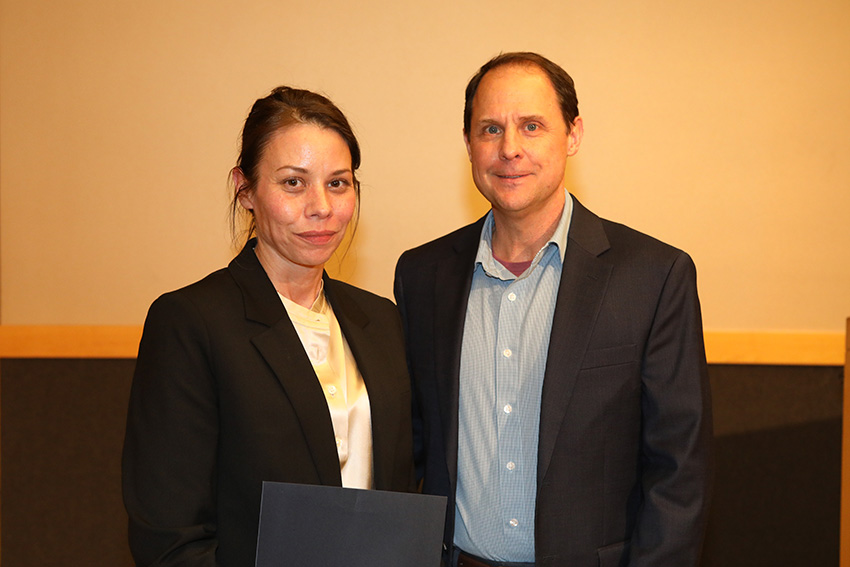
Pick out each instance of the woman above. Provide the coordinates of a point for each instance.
(268, 369)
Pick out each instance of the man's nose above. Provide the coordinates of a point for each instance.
(511, 145)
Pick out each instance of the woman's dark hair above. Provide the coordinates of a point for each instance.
(282, 108)
(561, 82)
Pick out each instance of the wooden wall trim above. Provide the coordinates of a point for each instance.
(845, 462)
(69, 341)
(793, 349)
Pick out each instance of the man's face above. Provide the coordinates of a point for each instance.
(518, 142)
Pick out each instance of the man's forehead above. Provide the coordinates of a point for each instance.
(513, 73)
(514, 85)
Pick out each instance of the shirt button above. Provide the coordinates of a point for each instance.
(507, 352)
(514, 522)
(511, 465)
(512, 296)
(508, 408)
(332, 390)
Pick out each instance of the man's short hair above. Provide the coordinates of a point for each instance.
(561, 82)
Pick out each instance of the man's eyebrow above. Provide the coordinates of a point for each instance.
(527, 118)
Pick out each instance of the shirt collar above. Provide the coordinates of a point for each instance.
(484, 257)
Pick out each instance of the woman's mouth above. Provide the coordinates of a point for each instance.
(317, 237)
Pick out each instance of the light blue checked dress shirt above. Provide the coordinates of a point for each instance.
(505, 341)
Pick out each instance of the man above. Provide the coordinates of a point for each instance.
(557, 358)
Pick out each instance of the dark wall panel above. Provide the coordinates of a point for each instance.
(778, 442)
(778, 476)
(62, 432)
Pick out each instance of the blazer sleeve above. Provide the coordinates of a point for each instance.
(676, 452)
(416, 414)
(169, 459)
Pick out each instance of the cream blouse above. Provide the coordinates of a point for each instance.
(345, 391)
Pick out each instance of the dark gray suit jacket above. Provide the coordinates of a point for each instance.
(224, 397)
(624, 454)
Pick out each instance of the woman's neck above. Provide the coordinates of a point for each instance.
(297, 283)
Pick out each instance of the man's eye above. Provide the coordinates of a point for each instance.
(531, 127)
(492, 129)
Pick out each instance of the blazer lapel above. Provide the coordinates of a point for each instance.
(281, 348)
(452, 282)
(584, 279)
(372, 367)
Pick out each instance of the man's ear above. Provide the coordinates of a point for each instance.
(575, 136)
(468, 149)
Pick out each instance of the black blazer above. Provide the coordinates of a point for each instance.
(224, 397)
(624, 456)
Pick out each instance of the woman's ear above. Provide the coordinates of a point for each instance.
(240, 186)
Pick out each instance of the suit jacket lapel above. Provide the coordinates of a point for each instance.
(584, 279)
(371, 365)
(453, 280)
(280, 346)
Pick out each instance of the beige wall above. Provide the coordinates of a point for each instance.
(720, 127)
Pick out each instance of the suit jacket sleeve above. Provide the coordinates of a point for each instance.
(416, 414)
(169, 461)
(676, 429)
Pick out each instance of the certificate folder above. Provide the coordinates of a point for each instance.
(326, 526)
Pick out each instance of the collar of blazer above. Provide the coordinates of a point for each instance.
(586, 230)
(262, 303)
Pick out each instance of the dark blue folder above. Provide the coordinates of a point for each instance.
(327, 526)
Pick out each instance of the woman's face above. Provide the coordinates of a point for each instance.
(303, 199)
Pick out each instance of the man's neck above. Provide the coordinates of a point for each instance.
(518, 237)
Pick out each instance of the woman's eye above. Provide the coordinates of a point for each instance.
(338, 184)
(292, 182)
